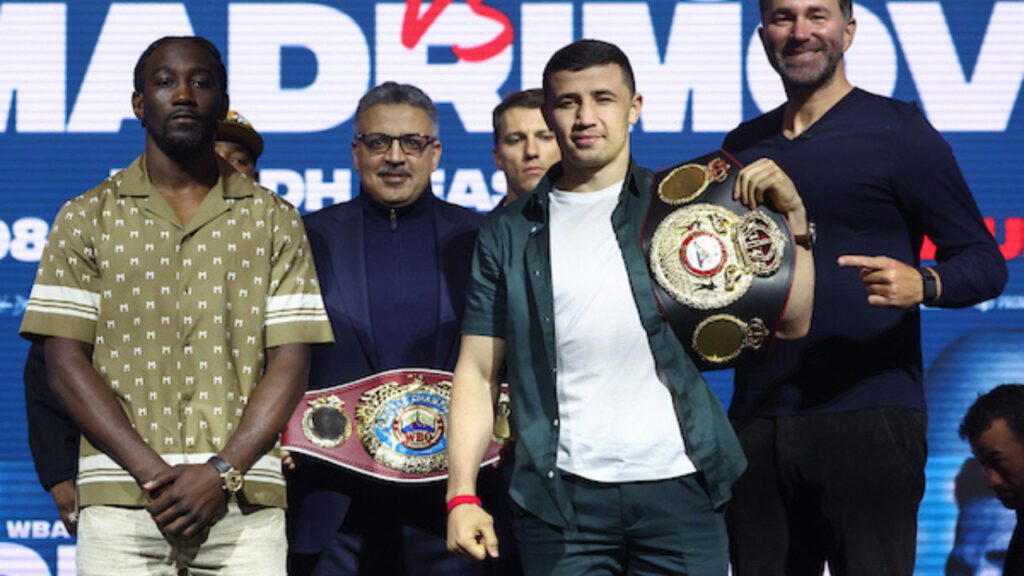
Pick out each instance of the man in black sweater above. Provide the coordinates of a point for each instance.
(833, 425)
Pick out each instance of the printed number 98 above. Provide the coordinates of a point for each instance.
(24, 239)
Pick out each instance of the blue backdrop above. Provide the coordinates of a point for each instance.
(296, 70)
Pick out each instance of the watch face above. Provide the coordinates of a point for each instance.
(233, 481)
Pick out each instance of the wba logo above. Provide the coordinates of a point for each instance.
(36, 530)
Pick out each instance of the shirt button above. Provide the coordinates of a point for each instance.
(555, 422)
(551, 473)
(536, 272)
(547, 318)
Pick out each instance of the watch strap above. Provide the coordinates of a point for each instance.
(220, 464)
(807, 240)
(930, 288)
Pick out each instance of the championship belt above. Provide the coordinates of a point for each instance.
(722, 272)
(389, 426)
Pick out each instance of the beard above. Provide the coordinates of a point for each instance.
(183, 142)
(805, 76)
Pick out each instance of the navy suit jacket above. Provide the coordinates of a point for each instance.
(320, 494)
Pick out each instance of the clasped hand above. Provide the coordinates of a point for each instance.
(186, 500)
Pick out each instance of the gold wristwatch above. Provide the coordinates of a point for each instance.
(231, 479)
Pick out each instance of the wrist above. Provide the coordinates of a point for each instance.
(796, 216)
(807, 237)
(145, 474)
(459, 485)
(461, 499)
(231, 478)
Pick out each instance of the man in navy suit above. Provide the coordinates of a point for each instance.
(393, 265)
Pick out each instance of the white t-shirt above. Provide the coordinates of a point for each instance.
(616, 415)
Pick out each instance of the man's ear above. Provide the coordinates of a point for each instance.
(760, 34)
(635, 106)
(437, 154)
(850, 29)
(138, 108)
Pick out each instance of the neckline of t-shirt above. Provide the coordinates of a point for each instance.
(588, 197)
(818, 124)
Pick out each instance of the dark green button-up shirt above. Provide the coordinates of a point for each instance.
(510, 297)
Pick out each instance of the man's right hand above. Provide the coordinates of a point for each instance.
(63, 494)
(471, 533)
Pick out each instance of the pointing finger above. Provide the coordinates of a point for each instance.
(859, 261)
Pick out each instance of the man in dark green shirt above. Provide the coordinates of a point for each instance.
(613, 419)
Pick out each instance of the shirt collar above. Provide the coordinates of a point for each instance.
(537, 202)
(134, 181)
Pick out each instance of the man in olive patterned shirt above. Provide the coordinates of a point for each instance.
(178, 300)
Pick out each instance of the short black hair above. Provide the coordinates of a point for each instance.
(140, 66)
(532, 99)
(393, 93)
(1004, 402)
(846, 6)
(583, 54)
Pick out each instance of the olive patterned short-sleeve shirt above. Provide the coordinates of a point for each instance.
(179, 317)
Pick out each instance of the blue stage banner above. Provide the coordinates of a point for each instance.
(297, 70)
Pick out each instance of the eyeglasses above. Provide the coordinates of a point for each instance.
(412, 144)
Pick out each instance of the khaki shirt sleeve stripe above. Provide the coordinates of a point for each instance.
(295, 308)
(277, 304)
(49, 299)
(306, 317)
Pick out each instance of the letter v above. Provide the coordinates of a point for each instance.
(414, 26)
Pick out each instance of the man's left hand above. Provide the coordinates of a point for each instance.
(186, 500)
(889, 282)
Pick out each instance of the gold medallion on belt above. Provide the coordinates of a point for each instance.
(706, 252)
(706, 257)
(402, 426)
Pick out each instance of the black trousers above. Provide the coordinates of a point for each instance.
(839, 488)
(634, 528)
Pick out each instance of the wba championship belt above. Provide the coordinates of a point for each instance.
(390, 426)
(722, 272)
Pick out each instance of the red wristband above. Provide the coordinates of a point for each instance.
(463, 499)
